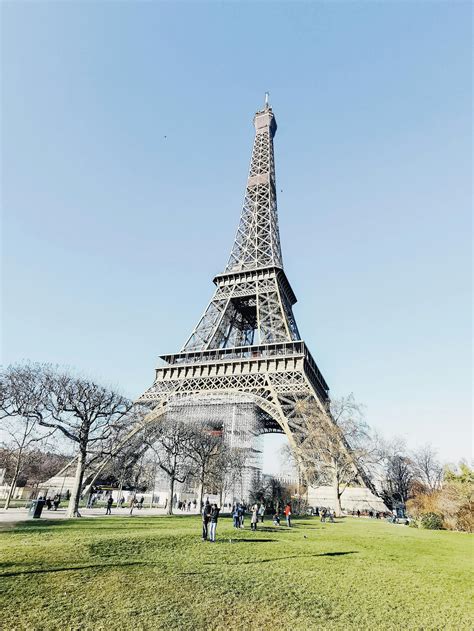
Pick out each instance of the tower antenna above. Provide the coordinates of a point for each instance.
(267, 94)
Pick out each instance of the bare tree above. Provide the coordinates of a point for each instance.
(206, 445)
(400, 473)
(227, 469)
(85, 413)
(302, 470)
(123, 467)
(21, 410)
(41, 463)
(428, 468)
(171, 446)
(337, 447)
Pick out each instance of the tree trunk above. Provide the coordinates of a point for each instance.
(337, 495)
(73, 506)
(338, 505)
(201, 489)
(171, 493)
(11, 490)
(119, 496)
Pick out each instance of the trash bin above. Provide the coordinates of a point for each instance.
(36, 507)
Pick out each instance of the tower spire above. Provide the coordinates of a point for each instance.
(257, 242)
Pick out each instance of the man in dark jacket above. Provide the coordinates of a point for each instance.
(213, 519)
(206, 516)
(110, 501)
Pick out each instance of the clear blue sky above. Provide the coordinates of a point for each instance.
(112, 232)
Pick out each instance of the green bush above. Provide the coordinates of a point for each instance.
(431, 521)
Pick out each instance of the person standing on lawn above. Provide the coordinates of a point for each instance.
(261, 512)
(214, 516)
(254, 517)
(287, 512)
(241, 515)
(110, 501)
(236, 516)
(206, 516)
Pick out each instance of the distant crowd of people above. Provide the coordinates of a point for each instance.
(210, 515)
(52, 503)
(371, 513)
(133, 502)
(185, 506)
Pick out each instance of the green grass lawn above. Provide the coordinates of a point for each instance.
(156, 573)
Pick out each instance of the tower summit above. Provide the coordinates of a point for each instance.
(257, 242)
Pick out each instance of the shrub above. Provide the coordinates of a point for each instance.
(453, 504)
(431, 521)
(458, 506)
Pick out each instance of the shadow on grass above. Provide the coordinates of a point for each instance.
(252, 540)
(72, 569)
(105, 566)
(79, 524)
(294, 556)
(272, 529)
(336, 554)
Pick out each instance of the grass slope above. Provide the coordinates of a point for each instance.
(155, 573)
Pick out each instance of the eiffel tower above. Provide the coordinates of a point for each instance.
(246, 348)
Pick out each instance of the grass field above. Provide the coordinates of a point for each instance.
(156, 573)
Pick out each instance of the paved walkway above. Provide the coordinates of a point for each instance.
(21, 514)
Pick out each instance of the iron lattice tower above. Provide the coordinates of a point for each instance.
(246, 347)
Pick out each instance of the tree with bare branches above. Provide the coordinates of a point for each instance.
(21, 410)
(171, 444)
(85, 413)
(337, 447)
(428, 468)
(206, 445)
(227, 469)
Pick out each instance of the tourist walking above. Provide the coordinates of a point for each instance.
(241, 515)
(323, 515)
(236, 515)
(214, 516)
(140, 503)
(254, 517)
(287, 512)
(261, 512)
(110, 501)
(56, 501)
(206, 516)
(133, 502)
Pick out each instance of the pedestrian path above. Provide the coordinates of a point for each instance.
(21, 514)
